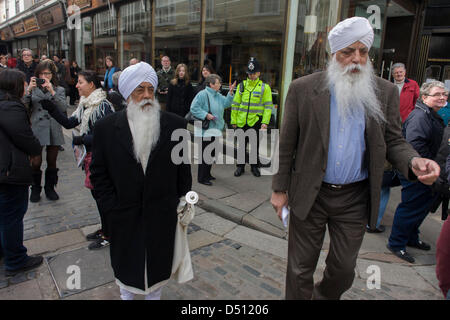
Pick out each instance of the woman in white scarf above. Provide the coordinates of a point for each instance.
(93, 106)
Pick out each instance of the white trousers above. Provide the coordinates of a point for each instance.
(127, 295)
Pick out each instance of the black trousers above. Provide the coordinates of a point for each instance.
(256, 127)
(103, 219)
(204, 170)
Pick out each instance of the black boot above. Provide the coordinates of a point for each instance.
(36, 186)
(51, 179)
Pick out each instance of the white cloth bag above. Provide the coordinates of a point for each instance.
(181, 265)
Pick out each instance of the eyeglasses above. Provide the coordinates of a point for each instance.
(47, 73)
(438, 95)
(26, 55)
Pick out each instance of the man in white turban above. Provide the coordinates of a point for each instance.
(339, 126)
(138, 184)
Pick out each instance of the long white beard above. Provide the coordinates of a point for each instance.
(355, 92)
(143, 118)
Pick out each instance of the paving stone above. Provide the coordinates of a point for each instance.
(214, 224)
(259, 240)
(246, 201)
(53, 242)
(27, 290)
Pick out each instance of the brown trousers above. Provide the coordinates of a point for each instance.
(345, 212)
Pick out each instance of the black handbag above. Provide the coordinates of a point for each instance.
(190, 117)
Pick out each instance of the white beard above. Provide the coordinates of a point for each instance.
(355, 92)
(143, 118)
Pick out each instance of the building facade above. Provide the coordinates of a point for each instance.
(288, 37)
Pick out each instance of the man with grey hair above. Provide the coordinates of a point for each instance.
(138, 185)
(423, 129)
(338, 128)
(114, 95)
(407, 88)
(26, 64)
(164, 76)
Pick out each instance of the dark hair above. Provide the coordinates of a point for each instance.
(110, 59)
(90, 76)
(12, 83)
(50, 65)
(209, 68)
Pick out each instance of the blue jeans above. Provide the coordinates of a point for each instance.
(13, 205)
(416, 202)
(388, 181)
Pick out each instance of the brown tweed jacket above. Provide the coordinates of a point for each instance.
(304, 143)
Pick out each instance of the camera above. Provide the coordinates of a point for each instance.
(40, 82)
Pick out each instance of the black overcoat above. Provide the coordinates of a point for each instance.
(141, 209)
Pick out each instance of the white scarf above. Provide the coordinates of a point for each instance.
(86, 106)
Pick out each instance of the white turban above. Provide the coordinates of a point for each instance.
(134, 75)
(347, 32)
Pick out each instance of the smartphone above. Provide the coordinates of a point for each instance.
(40, 82)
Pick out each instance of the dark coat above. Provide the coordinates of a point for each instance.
(141, 208)
(17, 143)
(423, 129)
(304, 142)
(28, 70)
(179, 98)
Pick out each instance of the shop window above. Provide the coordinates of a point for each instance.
(433, 73)
(134, 34)
(180, 41)
(195, 8)
(315, 19)
(105, 38)
(165, 12)
(267, 7)
(84, 54)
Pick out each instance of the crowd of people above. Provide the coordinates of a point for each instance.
(340, 153)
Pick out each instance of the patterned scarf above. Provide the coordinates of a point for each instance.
(87, 106)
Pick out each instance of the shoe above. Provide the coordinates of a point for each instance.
(32, 262)
(256, 172)
(36, 188)
(380, 229)
(206, 183)
(402, 254)
(239, 171)
(211, 177)
(51, 179)
(420, 245)
(99, 244)
(94, 235)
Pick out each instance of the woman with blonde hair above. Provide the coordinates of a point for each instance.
(181, 92)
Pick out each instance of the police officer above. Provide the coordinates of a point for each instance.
(251, 109)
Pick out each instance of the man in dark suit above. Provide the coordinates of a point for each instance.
(339, 126)
(138, 186)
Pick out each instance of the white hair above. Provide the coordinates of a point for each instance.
(355, 91)
(144, 117)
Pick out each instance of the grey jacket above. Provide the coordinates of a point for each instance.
(45, 128)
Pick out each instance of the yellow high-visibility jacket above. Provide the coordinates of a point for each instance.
(251, 101)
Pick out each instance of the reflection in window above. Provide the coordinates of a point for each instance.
(134, 33)
(105, 23)
(433, 73)
(315, 19)
(267, 7)
(165, 12)
(195, 8)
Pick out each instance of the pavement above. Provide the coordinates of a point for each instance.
(238, 247)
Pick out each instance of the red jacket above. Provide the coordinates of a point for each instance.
(443, 258)
(408, 98)
(12, 63)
